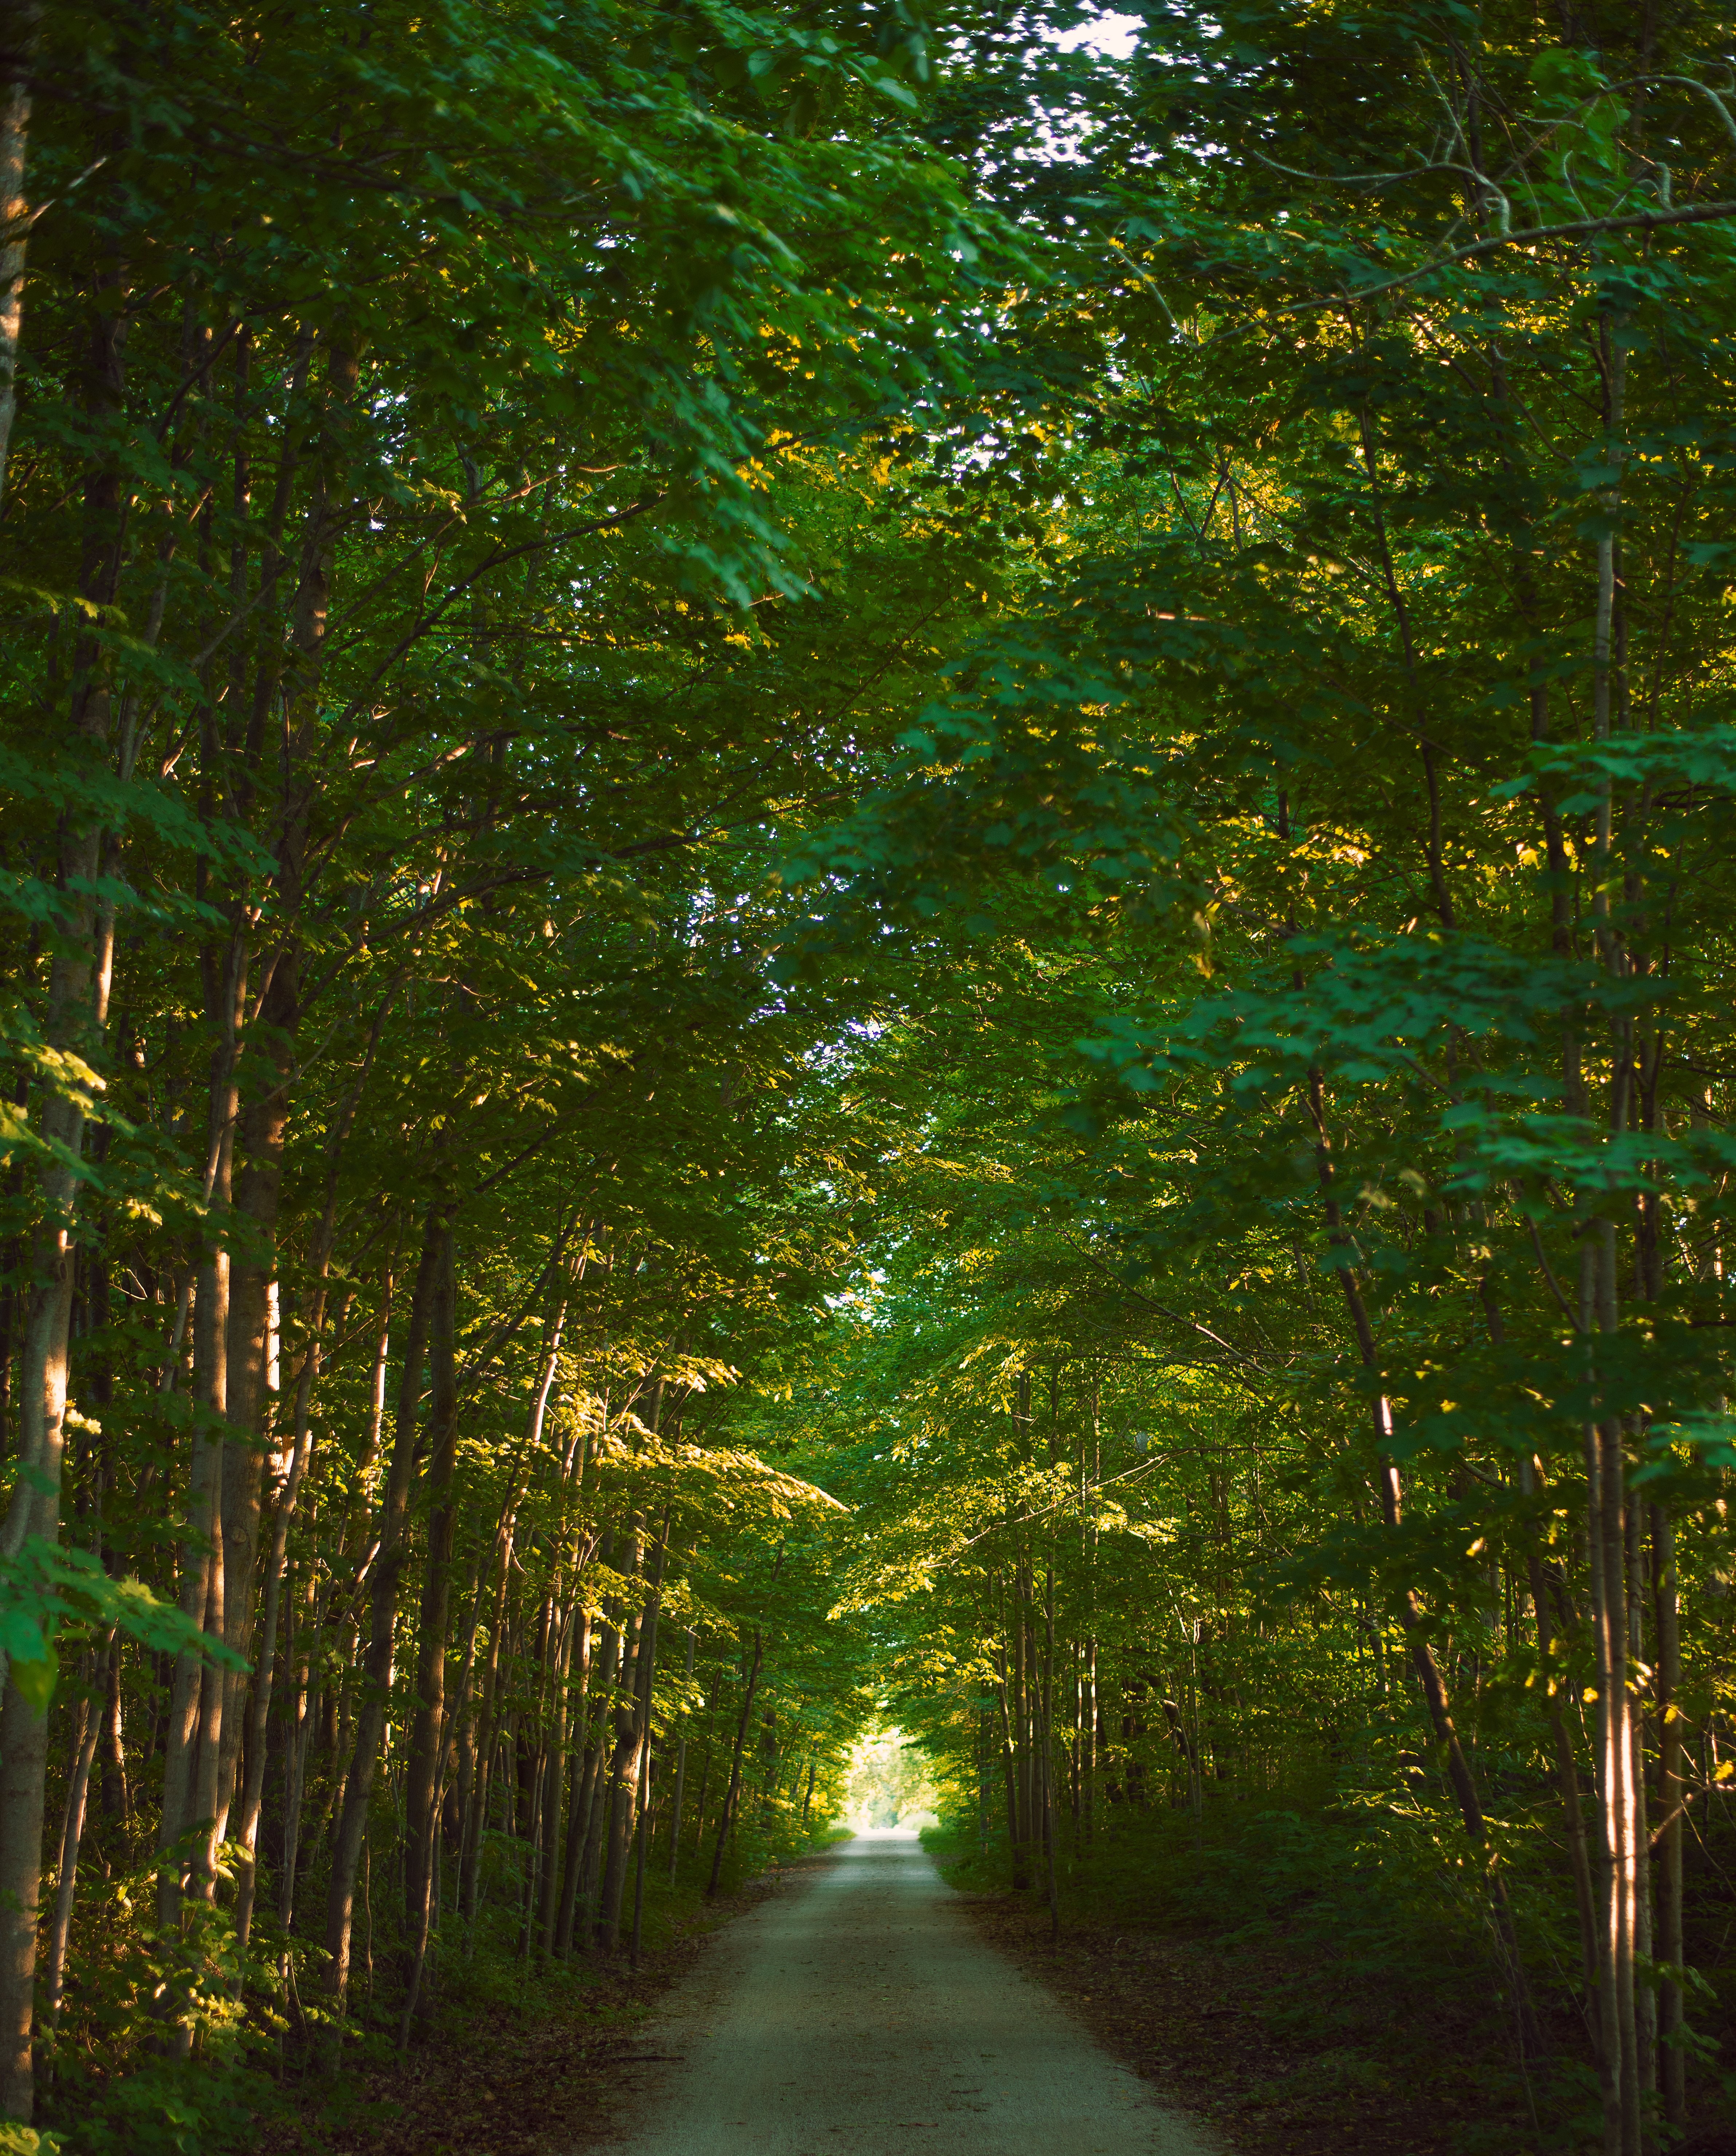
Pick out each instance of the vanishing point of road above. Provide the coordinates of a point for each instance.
(859, 2014)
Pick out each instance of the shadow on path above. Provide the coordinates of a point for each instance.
(861, 2012)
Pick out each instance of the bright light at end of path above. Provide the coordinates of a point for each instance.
(888, 1785)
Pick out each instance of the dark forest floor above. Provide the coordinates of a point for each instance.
(1193, 2024)
(512, 2076)
(517, 2080)
(1233, 2036)
(1209, 2032)
(1216, 2034)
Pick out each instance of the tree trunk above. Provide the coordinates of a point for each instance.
(20, 21)
(72, 1834)
(476, 1813)
(726, 1818)
(554, 1791)
(116, 1804)
(186, 1834)
(76, 1012)
(421, 1773)
(640, 1838)
(596, 1788)
(377, 1668)
(580, 1840)
(1567, 1782)
(252, 1374)
(633, 1736)
(675, 1824)
(264, 1674)
(1668, 1947)
(1048, 1716)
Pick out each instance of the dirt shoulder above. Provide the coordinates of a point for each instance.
(1199, 2027)
(513, 2077)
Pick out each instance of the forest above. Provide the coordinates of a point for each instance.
(865, 863)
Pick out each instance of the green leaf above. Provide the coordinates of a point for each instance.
(35, 1677)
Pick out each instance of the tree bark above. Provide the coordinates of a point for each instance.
(476, 1810)
(77, 1011)
(251, 1367)
(732, 1794)
(633, 1729)
(20, 23)
(187, 1836)
(300, 1452)
(555, 1790)
(675, 1824)
(588, 1772)
(72, 1834)
(1673, 2058)
(421, 1771)
(377, 1668)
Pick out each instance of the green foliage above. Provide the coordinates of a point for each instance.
(167, 2107)
(48, 1593)
(993, 785)
(26, 2141)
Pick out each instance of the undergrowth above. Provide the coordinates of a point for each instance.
(271, 2069)
(1353, 1925)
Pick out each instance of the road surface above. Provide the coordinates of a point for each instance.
(859, 2014)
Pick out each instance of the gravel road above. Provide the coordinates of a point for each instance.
(857, 2013)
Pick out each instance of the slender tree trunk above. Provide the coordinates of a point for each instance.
(1049, 1755)
(1604, 1470)
(1567, 1783)
(474, 1802)
(582, 1765)
(1672, 2058)
(587, 1831)
(614, 1723)
(298, 1738)
(421, 1773)
(705, 1764)
(631, 1750)
(554, 1783)
(640, 1838)
(377, 1668)
(72, 1834)
(1606, 1463)
(20, 21)
(1009, 1769)
(76, 1012)
(984, 1746)
(1639, 1601)
(251, 1369)
(116, 1804)
(675, 1823)
(727, 1816)
(1088, 1710)
(259, 1701)
(1018, 1739)
(476, 1815)
(1618, 1858)
(187, 1836)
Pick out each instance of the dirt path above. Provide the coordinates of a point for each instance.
(860, 2014)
